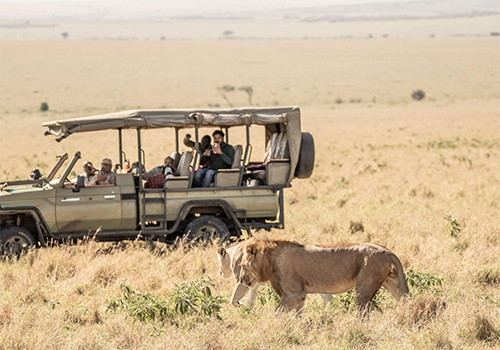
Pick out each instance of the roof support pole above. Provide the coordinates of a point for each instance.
(227, 134)
(142, 196)
(247, 149)
(120, 147)
(177, 140)
(196, 149)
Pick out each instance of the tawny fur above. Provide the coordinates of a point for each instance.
(229, 260)
(230, 264)
(295, 270)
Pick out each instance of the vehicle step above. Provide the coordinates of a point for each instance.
(153, 229)
(155, 217)
(153, 190)
(154, 200)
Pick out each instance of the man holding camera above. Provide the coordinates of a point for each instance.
(221, 157)
(105, 175)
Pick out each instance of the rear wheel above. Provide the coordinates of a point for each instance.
(15, 241)
(205, 229)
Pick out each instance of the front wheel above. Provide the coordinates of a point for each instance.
(15, 241)
(204, 229)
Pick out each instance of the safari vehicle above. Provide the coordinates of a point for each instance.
(34, 211)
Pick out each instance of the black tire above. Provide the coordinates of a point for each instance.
(15, 241)
(204, 229)
(234, 235)
(305, 166)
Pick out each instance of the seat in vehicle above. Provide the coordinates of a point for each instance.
(230, 177)
(181, 178)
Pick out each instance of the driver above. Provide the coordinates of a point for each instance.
(106, 176)
(90, 173)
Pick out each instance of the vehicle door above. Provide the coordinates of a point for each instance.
(88, 209)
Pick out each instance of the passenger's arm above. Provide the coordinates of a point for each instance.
(151, 173)
(228, 155)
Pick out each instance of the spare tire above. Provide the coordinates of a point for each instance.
(305, 166)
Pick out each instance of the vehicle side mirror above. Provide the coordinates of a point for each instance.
(80, 182)
(35, 174)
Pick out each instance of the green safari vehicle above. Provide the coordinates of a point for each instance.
(241, 198)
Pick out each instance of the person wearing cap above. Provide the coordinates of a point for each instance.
(90, 173)
(106, 176)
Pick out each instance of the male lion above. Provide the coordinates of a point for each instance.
(230, 263)
(295, 270)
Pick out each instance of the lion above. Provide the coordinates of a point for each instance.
(295, 270)
(230, 263)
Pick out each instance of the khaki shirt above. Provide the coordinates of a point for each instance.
(110, 179)
(89, 180)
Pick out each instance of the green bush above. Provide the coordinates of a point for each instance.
(421, 282)
(267, 295)
(193, 299)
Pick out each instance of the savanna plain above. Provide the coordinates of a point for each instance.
(420, 177)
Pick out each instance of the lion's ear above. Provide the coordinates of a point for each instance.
(221, 251)
(252, 250)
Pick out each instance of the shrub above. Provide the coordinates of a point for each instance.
(356, 226)
(421, 282)
(484, 331)
(481, 329)
(488, 277)
(418, 95)
(193, 298)
(196, 297)
(453, 226)
(44, 107)
(267, 295)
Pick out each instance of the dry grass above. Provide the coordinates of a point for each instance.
(387, 172)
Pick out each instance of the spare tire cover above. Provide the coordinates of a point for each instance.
(305, 166)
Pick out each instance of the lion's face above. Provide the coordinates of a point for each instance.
(224, 261)
(246, 276)
(254, 266)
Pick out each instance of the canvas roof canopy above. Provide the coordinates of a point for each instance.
(187, 118)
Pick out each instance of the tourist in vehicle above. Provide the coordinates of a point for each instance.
(188, 142)
(90, 173)
(106, 176)
(221, 157)
(205, 144)
(166, 169)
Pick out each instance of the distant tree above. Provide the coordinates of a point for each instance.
(249, 91)
(65, 35)
(224, 90)
(44, 107)
(418, 95)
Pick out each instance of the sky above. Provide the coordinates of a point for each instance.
(123, 9)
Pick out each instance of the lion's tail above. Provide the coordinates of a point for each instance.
(397, 282)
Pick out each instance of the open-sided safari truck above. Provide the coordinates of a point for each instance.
(240, 198)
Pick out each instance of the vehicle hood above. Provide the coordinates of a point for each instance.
(25, 192)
